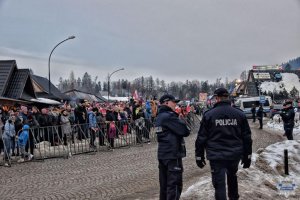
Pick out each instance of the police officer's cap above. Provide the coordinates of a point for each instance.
(221, 92)
(168, 97)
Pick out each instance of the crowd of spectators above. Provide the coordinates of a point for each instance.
(91, 117)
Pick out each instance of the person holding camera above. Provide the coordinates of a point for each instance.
(288, 115)
(170, 131)
(8, 133)
(225, 136)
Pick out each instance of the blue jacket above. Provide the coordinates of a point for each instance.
(224, 133)
(148, 110)
(170, 131)
(92, 120)
(23, 137)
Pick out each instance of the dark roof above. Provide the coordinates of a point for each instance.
(44, 84)
(20, 85)
(77, 94)
(6, 69)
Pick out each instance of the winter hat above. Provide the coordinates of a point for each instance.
(168, 97)
(221, 92)
(26, 127)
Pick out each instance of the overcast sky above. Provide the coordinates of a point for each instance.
(174, 40)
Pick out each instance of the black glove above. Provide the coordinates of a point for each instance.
(200, 162)
(246, 161)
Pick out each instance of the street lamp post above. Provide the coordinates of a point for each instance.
(108, 82)
(49, 84)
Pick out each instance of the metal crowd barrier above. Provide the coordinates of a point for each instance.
(61, 142)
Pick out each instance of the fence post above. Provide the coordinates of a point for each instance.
(286, 162)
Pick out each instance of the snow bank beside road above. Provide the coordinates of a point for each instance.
(261, 180)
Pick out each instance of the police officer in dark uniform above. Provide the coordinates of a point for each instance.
(170, 131)
(260, 116)
(225, 135)
(288, 115)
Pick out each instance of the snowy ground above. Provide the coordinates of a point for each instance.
(262, 179)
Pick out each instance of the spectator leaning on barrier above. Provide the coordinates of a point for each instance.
(225, 136)
(288, 115)
(170, 131)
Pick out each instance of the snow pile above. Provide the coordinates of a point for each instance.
(288, 82)
(262, 179)
(203, 188)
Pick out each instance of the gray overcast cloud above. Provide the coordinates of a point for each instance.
(173, 40)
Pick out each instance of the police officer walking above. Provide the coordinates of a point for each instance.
(260, 116)
(170, 131)
(288, 115)
(225, 136)
(253, 111)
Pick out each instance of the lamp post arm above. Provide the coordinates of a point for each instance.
(115, 72)
(71, 37)
(108, 85)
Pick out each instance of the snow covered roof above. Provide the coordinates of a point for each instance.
(46, 101)
(116, 98)
(288, 82)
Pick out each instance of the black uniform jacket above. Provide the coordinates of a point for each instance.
(224, 133)
(170, 131)
(288, 116)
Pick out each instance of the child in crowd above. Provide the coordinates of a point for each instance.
(112, 132)
(22, 141)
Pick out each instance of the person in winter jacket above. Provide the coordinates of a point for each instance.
(225, 137)
(288, 115)
(22, 141)
(170, 131)
(8, 133)
(93, 126)
(65, 126)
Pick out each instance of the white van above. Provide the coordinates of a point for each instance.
(245, 104)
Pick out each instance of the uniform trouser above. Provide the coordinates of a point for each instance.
(260, 123)
(253, 118)
(170, 179)
(218, 170)
(289, 134)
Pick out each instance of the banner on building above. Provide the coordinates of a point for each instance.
(265, 76)
(267, 67)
